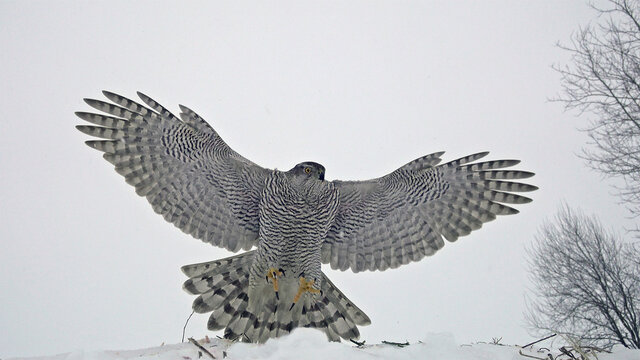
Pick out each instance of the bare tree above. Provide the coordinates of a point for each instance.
(603, 79)
(586, 282)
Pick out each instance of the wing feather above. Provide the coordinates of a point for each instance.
(186, 171)
(404, 216)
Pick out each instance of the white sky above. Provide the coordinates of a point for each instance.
(360, 86)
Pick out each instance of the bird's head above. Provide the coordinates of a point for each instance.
(310, 169)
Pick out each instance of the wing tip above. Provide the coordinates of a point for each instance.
(142, 96)
(524, 200)
(526, 174)
(108, 93)
(185, 269)
(91, 143)
(82, 114)
(85, 129)
(511, 162)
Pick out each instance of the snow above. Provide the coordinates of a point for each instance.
(312, 344)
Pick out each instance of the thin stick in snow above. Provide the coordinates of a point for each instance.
(185, 325)
(537, 341)
(194, 342)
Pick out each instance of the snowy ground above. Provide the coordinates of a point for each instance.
(312, 344)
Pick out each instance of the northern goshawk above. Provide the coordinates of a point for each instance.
(293, 220)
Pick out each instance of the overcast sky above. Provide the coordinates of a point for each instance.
(361, 87)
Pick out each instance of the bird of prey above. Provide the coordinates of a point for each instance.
(290, 222)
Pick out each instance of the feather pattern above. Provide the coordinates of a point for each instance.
(185, 170)
(222, 286)
(295, 220)
(402, 217)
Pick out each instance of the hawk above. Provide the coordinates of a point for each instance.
(290, 222)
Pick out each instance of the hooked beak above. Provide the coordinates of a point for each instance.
(322, 176)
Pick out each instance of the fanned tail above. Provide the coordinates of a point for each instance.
(222, 287)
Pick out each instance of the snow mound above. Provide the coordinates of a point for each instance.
(312, 344)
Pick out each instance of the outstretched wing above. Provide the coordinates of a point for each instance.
(402, 217)
(186, 171)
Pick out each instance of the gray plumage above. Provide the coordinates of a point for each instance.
(294, 220)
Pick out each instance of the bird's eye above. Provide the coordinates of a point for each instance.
(307, 170)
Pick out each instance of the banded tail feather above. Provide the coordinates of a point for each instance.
(222, 287)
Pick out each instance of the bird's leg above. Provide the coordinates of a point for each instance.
(305, 286)
(273, 274)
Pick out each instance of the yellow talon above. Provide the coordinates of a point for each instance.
(273, 275)
(305, 286)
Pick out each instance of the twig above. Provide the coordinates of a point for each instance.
(357, 342)
(406, 343)
(595, 348)
(531, 356)
(194, 342)
(567, 352)
(537, 341)
(248, 338)
(185, 325)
